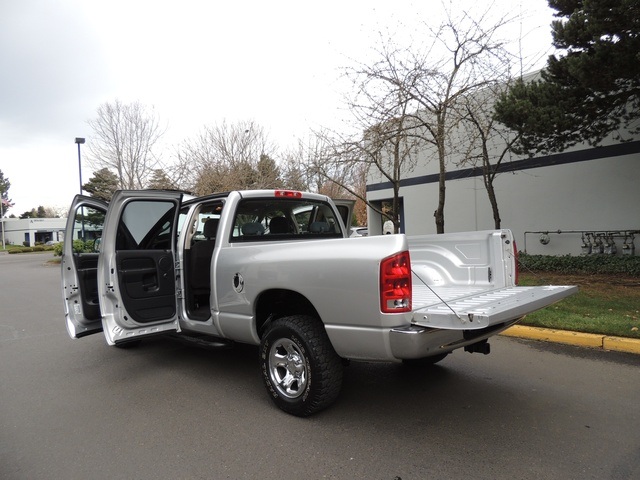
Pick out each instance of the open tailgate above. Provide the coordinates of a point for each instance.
(486, 308)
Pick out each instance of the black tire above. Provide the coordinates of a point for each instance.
(424, 362)
(300, 369)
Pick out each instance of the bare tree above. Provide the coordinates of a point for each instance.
(226, 157)
(321, 164)
(408, 104)
(124, 139)
(295, 171)
(422, 88)
(440, 86)
(385, 145)
(488, 142)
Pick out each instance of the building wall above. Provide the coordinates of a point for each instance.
(37, 229)
(582, 190)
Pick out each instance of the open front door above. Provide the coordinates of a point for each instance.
(80, 266)
(136, 268)
(345, 208)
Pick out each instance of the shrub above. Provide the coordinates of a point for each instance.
(57, 249)
(581, 265)
(38, 248)
(78, 246)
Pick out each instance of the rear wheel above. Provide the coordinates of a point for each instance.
(300, 369)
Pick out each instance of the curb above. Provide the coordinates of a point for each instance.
(591, 340)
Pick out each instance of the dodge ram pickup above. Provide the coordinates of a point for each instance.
(276, 269)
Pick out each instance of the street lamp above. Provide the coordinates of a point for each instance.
(79, 141)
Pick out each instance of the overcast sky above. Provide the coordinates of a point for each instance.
(198, 62)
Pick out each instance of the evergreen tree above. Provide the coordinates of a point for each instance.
(268, 173)
(102, 185)
(40, 212)
(160, 181)
(590, 92)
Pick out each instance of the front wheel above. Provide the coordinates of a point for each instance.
(300, 369)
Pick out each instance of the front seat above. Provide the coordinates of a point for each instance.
(200, 263)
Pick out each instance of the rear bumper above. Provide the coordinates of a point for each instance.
(415, 341)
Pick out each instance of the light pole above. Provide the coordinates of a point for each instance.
(79, 141)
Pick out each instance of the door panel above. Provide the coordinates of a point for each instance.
(148, 284)
(87, 268)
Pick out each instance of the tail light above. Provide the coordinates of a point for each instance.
(395, 283)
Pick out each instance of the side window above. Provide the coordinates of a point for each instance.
(146, 225)
(87, 229)
(206, 214)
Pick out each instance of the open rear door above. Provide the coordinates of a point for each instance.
(136, 268)
(82, 238)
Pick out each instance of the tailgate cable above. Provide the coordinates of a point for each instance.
(439, 297)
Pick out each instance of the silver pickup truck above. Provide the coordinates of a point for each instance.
(275, 268)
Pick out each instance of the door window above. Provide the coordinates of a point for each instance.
(87, 229)
(146, 225)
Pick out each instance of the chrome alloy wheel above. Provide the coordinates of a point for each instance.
(288, 368)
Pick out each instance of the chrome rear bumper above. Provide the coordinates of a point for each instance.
(414, 341)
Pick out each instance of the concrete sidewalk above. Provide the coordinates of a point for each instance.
(605, 342)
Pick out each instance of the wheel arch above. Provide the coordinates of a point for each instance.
(278, 302)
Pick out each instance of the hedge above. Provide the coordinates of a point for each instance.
(581, 265)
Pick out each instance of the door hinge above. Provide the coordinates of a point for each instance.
(490, 275)
(179, 294)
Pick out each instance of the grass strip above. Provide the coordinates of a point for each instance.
(605, 304)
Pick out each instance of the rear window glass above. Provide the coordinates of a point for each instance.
(284, 219)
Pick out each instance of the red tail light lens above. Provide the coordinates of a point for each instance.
(395, 284)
